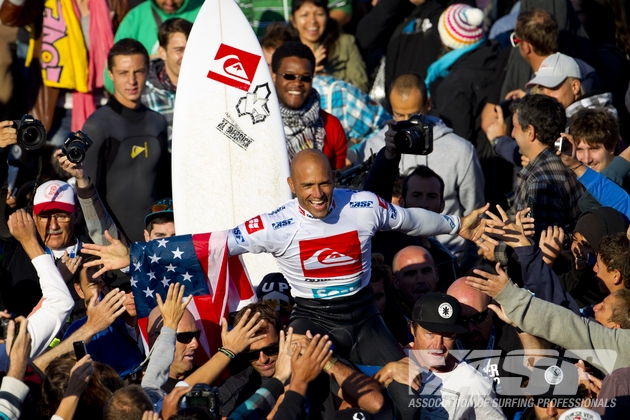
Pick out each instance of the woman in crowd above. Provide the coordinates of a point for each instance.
(336, 54)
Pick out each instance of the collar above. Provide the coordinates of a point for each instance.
(305, 213)
(73, 250)
(534, 163)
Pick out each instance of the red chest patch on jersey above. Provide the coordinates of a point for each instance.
(333, 256)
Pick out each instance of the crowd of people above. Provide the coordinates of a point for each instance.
(458, 244)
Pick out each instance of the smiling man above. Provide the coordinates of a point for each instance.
(306, 126)
(129, 161)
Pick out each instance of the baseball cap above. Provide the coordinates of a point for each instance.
(557, 379)
(275, 290)
(438, 312)
(54, 195)
(160, 207)
(554, 70)
(352, 414)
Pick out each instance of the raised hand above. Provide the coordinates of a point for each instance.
(404, 371)
(171, 401)
(18, 347)
(112, 257)
(74, 169)
(306, 367)
(174, 307)
(22, 226)
(498, 310)
(242, 335)
(285, 354)
(492, 285)
(71, 263)
(80, 375)
(551, 243)
(102, 314)
(8, 134)
(476, 228)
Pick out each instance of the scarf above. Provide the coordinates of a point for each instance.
(303, 128)
(442, 66)
(66, 63)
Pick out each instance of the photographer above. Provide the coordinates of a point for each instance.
(453, 158)
(55, 214)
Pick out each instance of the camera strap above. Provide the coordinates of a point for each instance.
(29, 206)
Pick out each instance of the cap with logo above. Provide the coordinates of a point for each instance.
(554, 70)
(275, 290)
(554, 378)
(438, 312)
(580, 413)
(161, 207)
(54, 196)
(352, 414)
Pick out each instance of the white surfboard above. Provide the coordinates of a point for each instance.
(230, 160)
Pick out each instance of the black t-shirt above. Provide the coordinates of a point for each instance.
(238, 388)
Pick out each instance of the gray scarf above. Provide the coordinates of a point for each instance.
(303, 128)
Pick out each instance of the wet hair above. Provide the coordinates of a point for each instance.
(127, 403)
(331, 31)
(405, 83)
(173, 26)
(126, 46)
(542, 112)
(267, 313)
(291, 49)
(91, 401)
(539, 28)
(595, 126)
(425, 172)
(276, 34)
(613, 250)
(621, 311)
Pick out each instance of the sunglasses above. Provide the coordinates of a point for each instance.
(514, 40)
(252, 355)
(125, 287)
(305, 79)
(187, 337)
(162, 205)
(475, 319)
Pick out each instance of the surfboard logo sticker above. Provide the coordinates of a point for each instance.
(232, 131)
(234, 67)
(254, 104)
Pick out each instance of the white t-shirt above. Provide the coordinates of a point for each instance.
(462, 393)
(331, 257)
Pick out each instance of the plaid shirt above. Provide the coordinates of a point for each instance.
(359, 114)
(161, 101)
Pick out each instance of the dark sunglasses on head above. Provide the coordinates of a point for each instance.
(252, 355)
(305, 79)
(475, 319)
(187, 337)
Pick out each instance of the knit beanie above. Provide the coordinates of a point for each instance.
(460, 26)
(599, 222)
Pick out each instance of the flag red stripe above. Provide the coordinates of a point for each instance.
(200, 242)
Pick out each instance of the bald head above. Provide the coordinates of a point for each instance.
(307, 158)
(155, 323)
(466, 295)
(410, 255)
(415, 274)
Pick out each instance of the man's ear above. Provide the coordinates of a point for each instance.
(531, 133)
(617, 277)
(576, 86)
(413, 333)
(77, 289)
(290, 182)
(526, 48)
(162, 53)
(428, 105)
(146, 235)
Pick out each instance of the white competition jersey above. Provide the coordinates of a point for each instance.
(331, 257)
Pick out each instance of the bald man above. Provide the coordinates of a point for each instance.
(478, 318)
(186, 344)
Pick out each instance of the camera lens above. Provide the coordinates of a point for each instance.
(30, 136)
(76, 154)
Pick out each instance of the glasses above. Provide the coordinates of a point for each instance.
(305, 79)
(252, 355)
(514, 40)
(59, 217)
(125, 287)
(475, 319)
(187, 337)
(162, 205)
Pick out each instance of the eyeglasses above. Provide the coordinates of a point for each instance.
(59, 217)
(305, 79)
(162, 205)
(125, 287)
(514, 40)
(270, 350)
(187, 337)
(475, 319)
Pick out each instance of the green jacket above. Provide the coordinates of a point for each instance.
(140, 23)
(346, 63)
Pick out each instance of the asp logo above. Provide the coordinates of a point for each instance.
(254, 225)
(332, 256)
(361, 204)
(282, 224)
(234, 67)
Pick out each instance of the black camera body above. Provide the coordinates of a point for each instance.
(414, 136)
(4, 327)
(31, 133)
(75, 146)
(202, 395)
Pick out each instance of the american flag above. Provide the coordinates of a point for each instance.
(219, 284)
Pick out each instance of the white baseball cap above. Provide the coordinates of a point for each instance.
(54, 195)
(554, 70)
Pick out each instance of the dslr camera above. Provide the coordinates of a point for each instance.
(4, 327)
(31, 134)
(202, 395)
(414, 136)
(75, 146)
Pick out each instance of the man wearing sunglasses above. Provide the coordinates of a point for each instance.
(306, 126)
